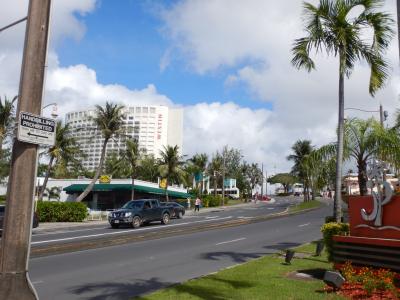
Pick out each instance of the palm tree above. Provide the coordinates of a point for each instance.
(108, 121)
(65, 150)
(367, 139)
(132, 156)
(148, 168)
(301, 149)
(329, 26)
(171, 167)
(199, 162)
(6, 118)
(215, 168)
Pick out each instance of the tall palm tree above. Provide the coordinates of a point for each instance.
(301, 149)
(171, 167)
(108, 121)
(214, 169)
(65, 150)
(132, 156)
(329, 26)
(199, 162)
(6, 118)
(148, 168)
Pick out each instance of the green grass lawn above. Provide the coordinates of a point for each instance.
(233, 202)
(264, 278)
(305, 205)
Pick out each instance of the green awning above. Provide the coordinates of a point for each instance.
(109, 187)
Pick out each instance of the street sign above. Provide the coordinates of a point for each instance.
(35, 129)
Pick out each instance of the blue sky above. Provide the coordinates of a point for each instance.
(124, 44)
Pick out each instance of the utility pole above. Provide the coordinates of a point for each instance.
(381, 116)
(262, 180)
(223, 176)
(15, 243)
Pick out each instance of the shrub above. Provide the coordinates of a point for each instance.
(330, 219)
(211, 201)
(329, 230)
(61, 211)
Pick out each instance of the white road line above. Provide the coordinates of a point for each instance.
(37, 282)
(232, 241)
(125, 231)
(243, 217)
(67, 231)
(302, 225)
(270, 207)
(213, 217)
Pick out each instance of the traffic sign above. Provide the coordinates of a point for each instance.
(35, 129)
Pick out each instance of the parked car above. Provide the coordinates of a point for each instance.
(138, 212)
(2, 212)
(177, 209)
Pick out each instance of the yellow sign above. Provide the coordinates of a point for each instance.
(104, 179)
(163, 183)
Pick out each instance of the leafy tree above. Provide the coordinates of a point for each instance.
(254, 175)
(108, 121)
(148, 168)
(6, 119)
(115, 167)
(171, 167)
(5, 162)
(301, 149)
(330, 26)
(285, 179)
(64, 150)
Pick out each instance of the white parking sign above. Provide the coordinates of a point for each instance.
(36, 129)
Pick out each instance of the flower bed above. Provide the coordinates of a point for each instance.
(368, 283)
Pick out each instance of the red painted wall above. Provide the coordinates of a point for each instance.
(391, 218)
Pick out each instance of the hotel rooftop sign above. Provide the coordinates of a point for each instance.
(35, 129)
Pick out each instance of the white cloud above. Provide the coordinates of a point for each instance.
(251, 38)
(254, 39)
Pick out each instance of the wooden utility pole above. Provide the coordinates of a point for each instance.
(17, 227)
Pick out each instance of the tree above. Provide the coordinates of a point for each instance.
(6, 119)
(254, 175)
(199, 163)
(285, 179)
(108, 121)
(214, 169)
(131, 157)
(329, 26)
(65, 150)
(171, 167)
(148, 168)
(301, 149)
(115, 167)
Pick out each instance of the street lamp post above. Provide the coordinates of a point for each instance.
(17, 226)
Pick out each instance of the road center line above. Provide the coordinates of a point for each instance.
(232, 241)
(302, 225)
(125, 231)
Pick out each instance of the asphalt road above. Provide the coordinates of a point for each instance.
(122, 271)
(63, 236)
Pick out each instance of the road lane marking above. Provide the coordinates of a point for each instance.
(243, 217)
(302, 225)
(213, 217)
(37, 282)
(270, 207)
(232, 241)
(125, 231)
(66, 231)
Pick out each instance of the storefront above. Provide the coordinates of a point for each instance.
(111, 196)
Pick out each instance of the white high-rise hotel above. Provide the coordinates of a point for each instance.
(152, 126)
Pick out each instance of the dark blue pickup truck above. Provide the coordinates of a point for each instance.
(138, 212)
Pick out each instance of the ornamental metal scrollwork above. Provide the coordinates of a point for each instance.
(382, 192)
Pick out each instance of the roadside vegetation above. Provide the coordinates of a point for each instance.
(264, 278)
(305, 205)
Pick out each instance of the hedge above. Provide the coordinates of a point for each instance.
(61, 211)
(211, 201)
(329, 230)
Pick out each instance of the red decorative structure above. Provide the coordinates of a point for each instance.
(374, 238)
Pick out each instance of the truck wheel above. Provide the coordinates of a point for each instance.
(165, 219)
(136, 222)
(180, 215)
(114, 225)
